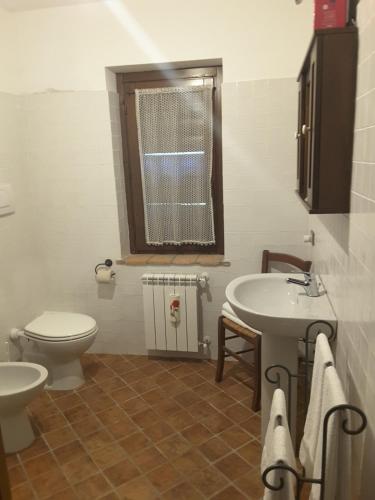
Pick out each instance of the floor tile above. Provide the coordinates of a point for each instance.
(79, 469)
(253, 425)
(135, 442)
(232, 466)
(196, 433)
(145, 418)
(97, 439)
(189, 462)
(251, 452)
(39, 464)
(238, 412)
(142, 428)
(183, 491)
(180, 420)
(68, 452)
(17, 475)
(60, 437)
(208, 481)
(65, 494)
(93, 487)
(158, 431)
(49, 483)
(187, 398)
(68, 401)
(148, 459)
(230, 493)
(23, 492)
(108, 455)
(134, 405)
(235, 436)
(251, 484)
(87, 425)
(121, 473)
(174, 446)
(214, 449)
(164, 477)
(38, 447)
(77, 413)
(137, 489)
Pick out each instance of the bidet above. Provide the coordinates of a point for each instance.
(20, 383)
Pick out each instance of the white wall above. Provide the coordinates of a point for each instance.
(345, 255)
(9, 52)
(70, 156)
(71, 147)
(67, 48)
(21, 288)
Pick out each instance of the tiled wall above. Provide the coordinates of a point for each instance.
(20, 270)
(345, 255)
(74, 174)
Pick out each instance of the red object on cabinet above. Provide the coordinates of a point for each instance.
(330, 14)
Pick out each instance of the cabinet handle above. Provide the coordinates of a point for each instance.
(305, 129)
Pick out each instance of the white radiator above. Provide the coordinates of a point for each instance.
(170, 311)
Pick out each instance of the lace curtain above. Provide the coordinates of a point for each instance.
(175, 135)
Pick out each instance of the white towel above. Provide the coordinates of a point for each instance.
(282, 454)
(278, 409)
(323, 356)
(227, 311)
(338, 465)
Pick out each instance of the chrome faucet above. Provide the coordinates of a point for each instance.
(309, 284)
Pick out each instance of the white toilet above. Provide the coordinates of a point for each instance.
(20, 383)
(59, 339)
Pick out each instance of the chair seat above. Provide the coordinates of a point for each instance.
(247, 333)
(228, 320)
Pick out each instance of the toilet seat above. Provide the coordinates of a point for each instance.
(54, 326)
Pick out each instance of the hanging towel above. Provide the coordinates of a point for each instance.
(282, 454)
(338, 464)
(227, 311)
(277, 411)
(323, 357)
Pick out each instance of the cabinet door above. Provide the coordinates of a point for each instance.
(299, 138)
(309, 128)
(303, 114)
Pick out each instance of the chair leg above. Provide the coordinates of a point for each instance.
(220, 349)
(258, 375)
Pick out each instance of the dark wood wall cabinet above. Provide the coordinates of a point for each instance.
(327, 88)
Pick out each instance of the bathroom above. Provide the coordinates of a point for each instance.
(153, 422)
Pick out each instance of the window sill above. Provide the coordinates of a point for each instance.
(206, 260)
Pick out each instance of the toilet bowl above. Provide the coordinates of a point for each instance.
(20, 383)
(60, 338)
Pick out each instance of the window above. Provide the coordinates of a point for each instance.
(171, 128)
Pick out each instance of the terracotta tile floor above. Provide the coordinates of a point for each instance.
(142, 429)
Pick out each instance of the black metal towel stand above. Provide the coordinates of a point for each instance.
(300, 478)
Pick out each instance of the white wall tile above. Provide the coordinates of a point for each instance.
(345, 255)
(73, 163)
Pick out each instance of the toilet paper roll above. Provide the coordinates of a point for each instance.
(104, 275)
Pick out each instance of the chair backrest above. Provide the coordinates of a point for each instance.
(303, 265)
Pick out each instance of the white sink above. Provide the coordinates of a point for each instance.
(281, 311)
(271, 305)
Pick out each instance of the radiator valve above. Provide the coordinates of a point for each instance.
(205, 343)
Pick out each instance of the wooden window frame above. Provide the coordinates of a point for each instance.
(126, 84)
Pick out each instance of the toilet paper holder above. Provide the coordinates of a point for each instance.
(106, 263)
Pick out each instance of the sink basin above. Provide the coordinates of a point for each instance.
(281, 311)
(271, 305)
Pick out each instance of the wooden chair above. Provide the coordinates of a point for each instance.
(247, 334)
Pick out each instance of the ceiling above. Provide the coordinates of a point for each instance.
(18, 5)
